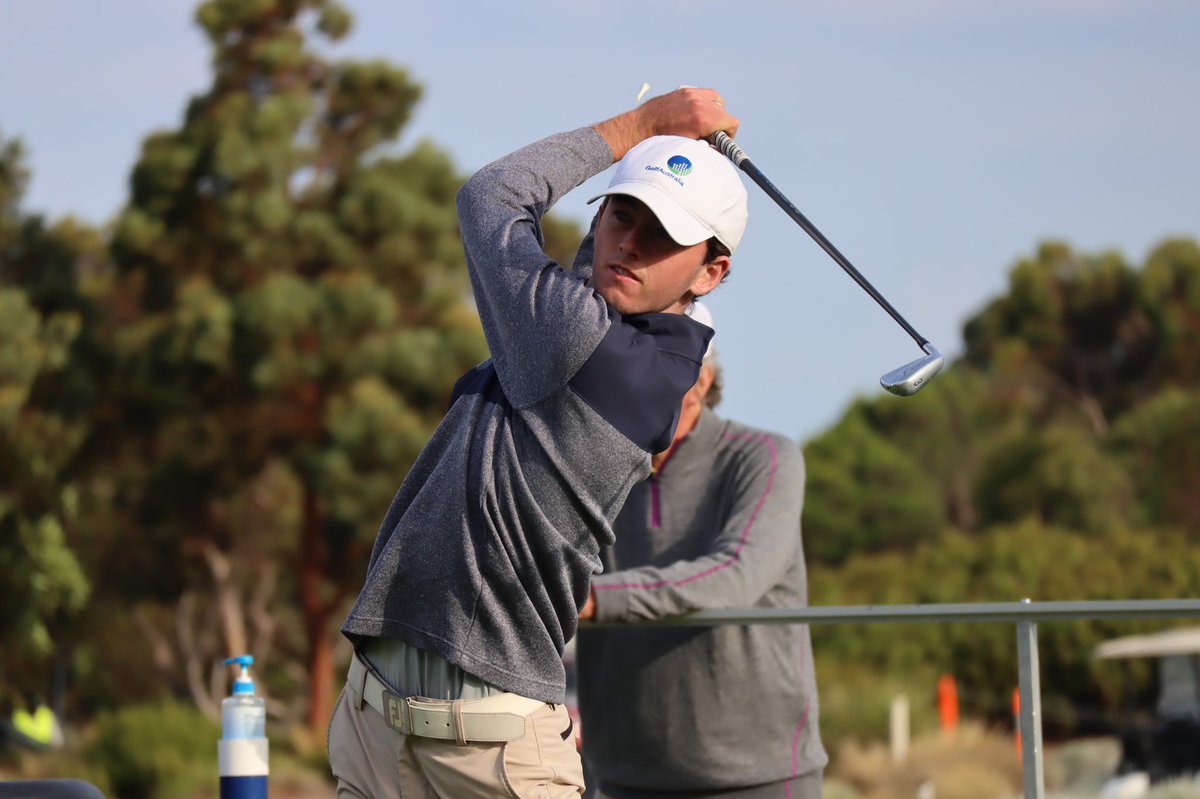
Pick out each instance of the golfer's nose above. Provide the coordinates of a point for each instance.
(630, 245)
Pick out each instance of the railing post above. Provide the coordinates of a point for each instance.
(1031, 710)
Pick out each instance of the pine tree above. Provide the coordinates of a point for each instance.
(296, 311)
(47, 398)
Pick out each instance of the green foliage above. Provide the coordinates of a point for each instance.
(47, 389)
(1169, 294)
(1057, 460)
(294, 313)
(21, 353)
(856, 701)
(276, 335)
(272, 343)
(69, 763)
(1073, 324)
(1005, 564)
(42, 580)
(1021, 427)
(863, 495)
(1057, 474)
(1090, 334)
(14, 178)
(292, 284)
(161, 751)
(1159, 445)
(561, 240)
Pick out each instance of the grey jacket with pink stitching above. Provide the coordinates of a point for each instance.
(710, 708)
(484, 556)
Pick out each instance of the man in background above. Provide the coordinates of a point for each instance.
(725, 711)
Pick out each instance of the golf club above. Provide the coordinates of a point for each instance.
(903, 381)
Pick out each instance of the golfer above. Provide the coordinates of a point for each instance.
(483, 561)
(727, 712)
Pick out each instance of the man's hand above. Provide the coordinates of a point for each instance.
(690, 112)
(589, 608)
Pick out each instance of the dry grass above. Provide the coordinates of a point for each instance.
(1082, 766)
(1178, 789)
(977, 764)
(980, 764)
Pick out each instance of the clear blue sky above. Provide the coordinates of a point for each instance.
(934, 142)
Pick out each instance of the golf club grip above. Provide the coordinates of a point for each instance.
(728, 147)
(738, 156)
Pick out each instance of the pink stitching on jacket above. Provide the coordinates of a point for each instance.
(737, 552)
(796, 751)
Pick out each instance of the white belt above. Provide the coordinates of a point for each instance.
(492, 719)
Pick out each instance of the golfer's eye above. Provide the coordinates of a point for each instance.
(622, 216)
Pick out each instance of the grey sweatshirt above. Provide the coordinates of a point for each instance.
(485, 555)
(703, 708)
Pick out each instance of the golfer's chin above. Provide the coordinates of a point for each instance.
(621, 299)
(630, 299)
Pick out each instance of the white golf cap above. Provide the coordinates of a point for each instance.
(693, 190)
(700, 312)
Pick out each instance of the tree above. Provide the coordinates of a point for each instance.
(1063, 448)
(1159, 444)
(863, 494)
(893, 472)
(298, 308)
(1169, 296)
(1057, 474)
(948, 430)
(42, 577)
(1070, 328)
(46, 397)
(1006, 563)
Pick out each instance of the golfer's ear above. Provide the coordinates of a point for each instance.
(711, 276)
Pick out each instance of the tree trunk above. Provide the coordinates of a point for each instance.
(230, 611)
(316, 616)
(193, 653)
(320, 664)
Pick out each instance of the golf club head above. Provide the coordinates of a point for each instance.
(908, 379)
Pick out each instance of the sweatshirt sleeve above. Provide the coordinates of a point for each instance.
(541, 321)
(584, 256)
(757, 543)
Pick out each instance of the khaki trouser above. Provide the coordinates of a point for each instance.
(370, 759)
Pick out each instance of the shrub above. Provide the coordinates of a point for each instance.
(71, 763)
(856, 701)
(161, 751)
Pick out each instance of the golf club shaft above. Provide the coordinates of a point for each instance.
(738, 156)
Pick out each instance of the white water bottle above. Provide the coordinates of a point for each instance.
(242, 752)
(243, 715)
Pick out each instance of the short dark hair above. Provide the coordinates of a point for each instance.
(715, 250)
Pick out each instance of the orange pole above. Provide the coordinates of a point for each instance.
(948, 705)
(1016, 708)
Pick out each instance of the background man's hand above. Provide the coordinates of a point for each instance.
(589, 608)
(694, 113)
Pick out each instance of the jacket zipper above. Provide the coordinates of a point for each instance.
(655, 495)
(655, 511)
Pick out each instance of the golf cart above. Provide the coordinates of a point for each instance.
(1169, 744)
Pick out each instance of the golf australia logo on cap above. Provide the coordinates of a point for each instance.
(679, 165)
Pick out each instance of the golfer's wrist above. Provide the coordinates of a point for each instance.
(623, 133)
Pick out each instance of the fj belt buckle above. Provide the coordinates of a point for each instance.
(395, 712)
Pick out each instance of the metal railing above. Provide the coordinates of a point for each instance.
(1025, 615)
